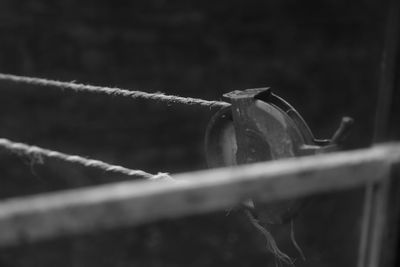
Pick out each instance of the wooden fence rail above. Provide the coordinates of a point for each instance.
(45, 216)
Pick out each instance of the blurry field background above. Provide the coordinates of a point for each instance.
(322, 56)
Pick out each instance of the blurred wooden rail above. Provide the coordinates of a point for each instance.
(50, 215)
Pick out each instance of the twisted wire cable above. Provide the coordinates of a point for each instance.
(37, 153)
(170, 99)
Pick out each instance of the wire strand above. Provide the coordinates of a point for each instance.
(37, 154)
(271, 243)
(171, 99)
(294, 242)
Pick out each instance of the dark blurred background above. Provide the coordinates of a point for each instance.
(322, 56)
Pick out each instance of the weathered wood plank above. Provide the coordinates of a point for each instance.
(132, 203)
(390, 241)
(378, 243)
